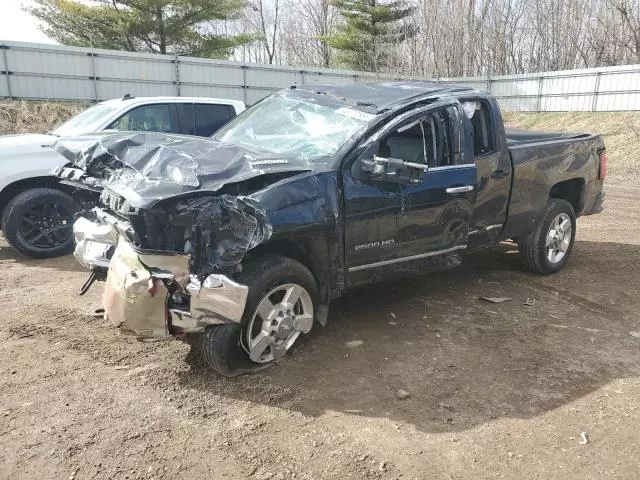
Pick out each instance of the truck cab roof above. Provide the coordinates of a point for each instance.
(384, 96)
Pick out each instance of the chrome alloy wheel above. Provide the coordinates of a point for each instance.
(558, 238)
(282, 314)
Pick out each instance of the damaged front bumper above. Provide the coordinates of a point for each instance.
(152, 294)
(96, 240)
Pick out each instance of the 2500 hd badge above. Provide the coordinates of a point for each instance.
(382, 244)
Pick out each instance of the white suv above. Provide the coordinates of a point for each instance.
(36, 210)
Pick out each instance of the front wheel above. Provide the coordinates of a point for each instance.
(39, 222)
(548, 247)
(281, 306)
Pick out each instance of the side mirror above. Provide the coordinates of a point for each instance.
(392, 170)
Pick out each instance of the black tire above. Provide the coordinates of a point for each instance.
(533, 249)
(221, 344)
(59, 242)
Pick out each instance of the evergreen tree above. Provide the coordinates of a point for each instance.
(179, 27)
(369, 29)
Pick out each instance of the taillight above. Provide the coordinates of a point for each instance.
(603, 165)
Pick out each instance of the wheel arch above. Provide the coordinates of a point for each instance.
(19, 186)
(309, 256)
(286, 248)
(571, 191)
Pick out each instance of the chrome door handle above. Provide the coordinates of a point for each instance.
(466, 188)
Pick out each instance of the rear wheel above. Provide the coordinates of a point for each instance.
(548, 247)
(281, 305)
(38, 222)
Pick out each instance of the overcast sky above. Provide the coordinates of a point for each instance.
(18, 25)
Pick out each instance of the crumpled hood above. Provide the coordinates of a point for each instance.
(25, 143)
(146, 167)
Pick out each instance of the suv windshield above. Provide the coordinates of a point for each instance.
(289, 125)
(86, 122)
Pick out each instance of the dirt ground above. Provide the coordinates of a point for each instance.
(495, 390)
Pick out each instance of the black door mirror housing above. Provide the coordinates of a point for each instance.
(391, 170)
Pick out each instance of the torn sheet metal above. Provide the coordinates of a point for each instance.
(137, 300)
(217, 299)
(133, 300)
(146, 167)
(225, 228)
(93, 243)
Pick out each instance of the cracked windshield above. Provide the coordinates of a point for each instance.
(292, 126)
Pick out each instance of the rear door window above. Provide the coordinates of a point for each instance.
(210, 117)
(483, 132)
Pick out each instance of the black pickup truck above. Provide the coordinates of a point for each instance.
(239, 243)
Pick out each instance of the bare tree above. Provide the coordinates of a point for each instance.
(266, 22)
(457, 37)
(629, 35)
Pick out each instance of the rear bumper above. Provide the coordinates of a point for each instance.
(596, 206)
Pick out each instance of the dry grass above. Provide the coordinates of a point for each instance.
(35, 117)
(620, 130)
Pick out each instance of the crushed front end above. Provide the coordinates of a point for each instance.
(158, 292)
(167, 253)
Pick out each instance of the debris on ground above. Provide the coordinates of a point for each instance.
(402, 394)
(496, 299)
(584, 439)
(354, 343)
(529, 302)
(635, 334)
(393, 315)
(393, 323)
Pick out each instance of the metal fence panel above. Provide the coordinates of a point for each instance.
(264, 77)
(108, 88)
(34, 71)
(515, 88)
(202, 72)
(5, 91)
(514, 104)
(611, 102)
(48, 62)
(232, 92)
(31, 87)
(160, 70)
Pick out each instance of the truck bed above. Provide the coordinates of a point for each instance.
(546, 162)
(517, 137)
